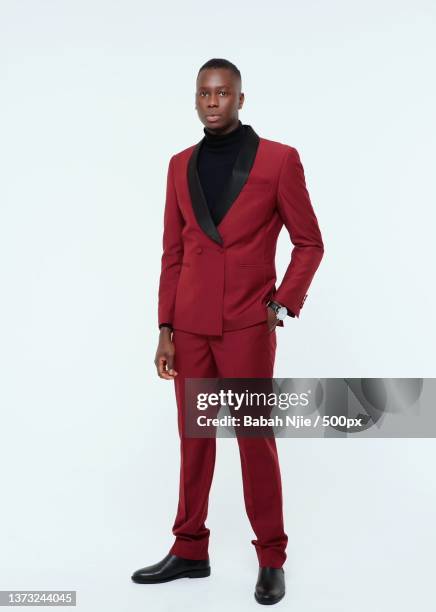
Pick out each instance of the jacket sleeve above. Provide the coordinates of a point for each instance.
(295, 209)
(172, 254)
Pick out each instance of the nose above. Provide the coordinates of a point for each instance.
(213, 101)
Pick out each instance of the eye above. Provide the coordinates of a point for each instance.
(223, 92)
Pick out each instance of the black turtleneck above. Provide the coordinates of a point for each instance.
(217, 155)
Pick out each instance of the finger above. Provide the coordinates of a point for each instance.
(162, 373)
(170, 365)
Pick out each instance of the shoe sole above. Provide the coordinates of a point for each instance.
(201, 573)
(270, 602)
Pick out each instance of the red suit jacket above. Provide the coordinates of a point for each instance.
(219, 278)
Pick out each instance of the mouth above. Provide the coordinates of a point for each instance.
(213, 118)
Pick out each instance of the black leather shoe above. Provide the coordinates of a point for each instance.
(270, 586)
(170, 568)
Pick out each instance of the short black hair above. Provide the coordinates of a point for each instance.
(218, 62)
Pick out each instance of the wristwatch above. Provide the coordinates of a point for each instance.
(281, 311)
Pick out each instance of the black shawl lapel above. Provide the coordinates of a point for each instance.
(241, 171)
(199, 203)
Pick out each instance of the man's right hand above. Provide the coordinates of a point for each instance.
(164, 360)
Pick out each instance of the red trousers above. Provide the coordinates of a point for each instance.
(242, 353)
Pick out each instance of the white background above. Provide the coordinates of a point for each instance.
(96, 97)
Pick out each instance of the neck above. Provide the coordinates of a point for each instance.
(227, 139)
(223, 131)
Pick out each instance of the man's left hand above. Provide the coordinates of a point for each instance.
(272, 319)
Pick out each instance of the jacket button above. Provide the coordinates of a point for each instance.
(198, 250)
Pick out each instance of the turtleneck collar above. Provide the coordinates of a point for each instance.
(223, 140)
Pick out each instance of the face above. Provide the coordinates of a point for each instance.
(218, 99)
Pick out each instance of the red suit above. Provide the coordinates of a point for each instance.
(214, 285)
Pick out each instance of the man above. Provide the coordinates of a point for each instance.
(227, 199)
